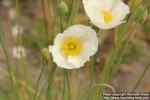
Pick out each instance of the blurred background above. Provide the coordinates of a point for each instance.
(32, 25)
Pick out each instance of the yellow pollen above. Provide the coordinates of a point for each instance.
(107, 16)
(71, 46)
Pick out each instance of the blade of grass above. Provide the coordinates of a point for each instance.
(72, 12)
(66, 87)
(8, 63)
(50, 80)
(38, 81)
(97, 86)
(141, 77)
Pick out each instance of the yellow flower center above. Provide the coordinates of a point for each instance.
(107, 16)
(71, 46)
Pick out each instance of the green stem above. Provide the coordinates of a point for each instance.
(7, 60)
(72, 12)
(114, 53)
(92, 66)
(50, 80)
(9, 64)
(126, 45)
(97, 86)
(141, 77)
(66, 87)
(39, 78)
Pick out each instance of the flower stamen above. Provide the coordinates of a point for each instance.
(107, 16)
(71, 46)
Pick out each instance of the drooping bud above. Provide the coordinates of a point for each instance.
(141, 14)
(45, 54)
(62, 8)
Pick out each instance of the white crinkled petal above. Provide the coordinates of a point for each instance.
(93, 10)
(120, 10)
(107, 26)
(59, 58)
(101, 4)
(89, 49)
(82, 32)
(89, 41)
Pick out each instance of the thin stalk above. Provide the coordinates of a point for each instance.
(7, 60)
(26, 73)
(47, 15)
(92, 66)
(50, 80)
(66, 87)
(97, 86)
(126, 45)
(141, 77)
(72, 12)
(22, 61)
(39, 78)
(8, 63)
(114, 53)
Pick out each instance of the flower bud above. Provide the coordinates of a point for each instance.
(45, 54)
(141, 14)
(62, 8)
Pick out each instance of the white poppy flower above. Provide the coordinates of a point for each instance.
(16, 30)
(74, 47)
(106, 14)
(19, 52)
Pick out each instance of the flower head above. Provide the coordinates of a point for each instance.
(74, 47)
(16, 30)
(19, 52)
(106, 14)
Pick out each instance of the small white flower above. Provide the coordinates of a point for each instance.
(74, 47)
(106, 14)
(19, 52)
(16, 30)
(12, 13)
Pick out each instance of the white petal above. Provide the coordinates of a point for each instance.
(58, 56)
(82, 32)
(100, 4)
(59, 59)
(107, 26)
(120, 10)
(93, 9)
(59, 38)
(89, 47)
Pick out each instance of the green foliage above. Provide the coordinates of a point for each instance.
(36, 39)
(132, 53)
(140, 14)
